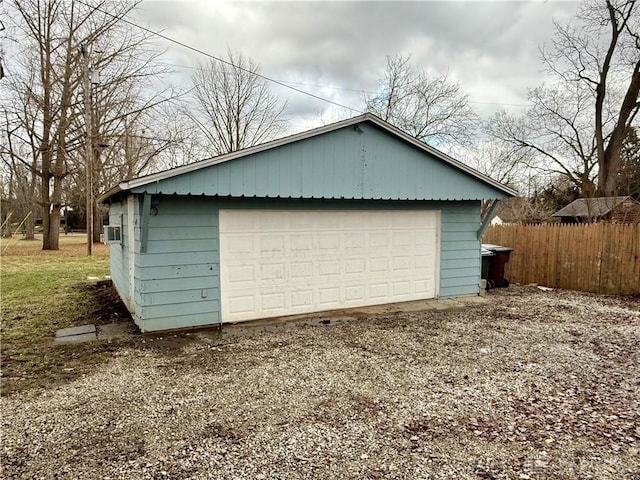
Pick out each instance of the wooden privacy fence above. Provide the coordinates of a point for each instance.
(599, 257)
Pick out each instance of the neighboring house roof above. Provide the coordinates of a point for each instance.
(244, 183)
(591, 207)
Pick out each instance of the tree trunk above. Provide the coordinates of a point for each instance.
(97, 223)
(609, 167)
(54, 227)
(29, 227)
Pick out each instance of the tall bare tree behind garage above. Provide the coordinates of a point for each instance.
(126, 105)
(427, 106)
(234, 107)
(578, 122)
(44, 79)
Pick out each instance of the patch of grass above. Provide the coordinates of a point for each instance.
(43, 291)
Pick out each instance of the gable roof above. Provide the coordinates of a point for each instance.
(159, 178)
(591, 207)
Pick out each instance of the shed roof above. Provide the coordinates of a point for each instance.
(340, 160)
(591, 207)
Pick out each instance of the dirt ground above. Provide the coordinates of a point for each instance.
(526, 385)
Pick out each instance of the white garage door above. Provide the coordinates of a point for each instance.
(277, 262)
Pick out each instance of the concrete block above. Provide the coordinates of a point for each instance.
(85, 337)
(81, 330)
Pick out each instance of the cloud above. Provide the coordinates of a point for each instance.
(490, 48)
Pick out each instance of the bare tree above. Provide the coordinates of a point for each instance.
(577, 125)
(554, 137)
(48, 101)
(234, 107)
(430, 108)
(503, 162)
(52, 32)
(126, 135)
(602, 56)
(21, 167)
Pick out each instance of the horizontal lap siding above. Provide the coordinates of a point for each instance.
(177, 278)
(119, 253)
(460, 249)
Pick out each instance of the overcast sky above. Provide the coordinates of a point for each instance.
(490, 48)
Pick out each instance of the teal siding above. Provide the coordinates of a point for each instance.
(177, 281)
(460, 249)
(341, 164)
(118, 253)
(361, 164)
(177, 278)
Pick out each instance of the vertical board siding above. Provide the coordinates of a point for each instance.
(119, 253)
(341, 164)
(599, 258)
(177, 278)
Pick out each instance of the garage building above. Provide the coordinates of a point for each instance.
(351, 214)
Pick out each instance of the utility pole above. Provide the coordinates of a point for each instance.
(88, 146)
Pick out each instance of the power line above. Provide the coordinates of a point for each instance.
(355, 90)
(283, 83)
(221, 60)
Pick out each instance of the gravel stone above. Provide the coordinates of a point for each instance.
(527, 384)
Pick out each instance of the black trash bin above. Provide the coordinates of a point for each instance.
(486, 261)
(495, 274)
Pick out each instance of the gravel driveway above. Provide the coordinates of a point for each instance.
(528, 384)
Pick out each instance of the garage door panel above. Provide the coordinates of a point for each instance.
(271, 244)
(241, 221)
(273, 271)
(355, 266)
(354, 240)
(239, 245)
(301, 270)
(378, 265)
(241, 304)
(273, 301)
(423, 261)
(301, 298)
(354, 293)
(376, 220)
(379, 290)
(423, 286)
(424, 237)
(378, 240)
(272, 221)
(401, 288)
(401, 263)
(329, 269)
(303, 261)
(328, 241)
(241, 274)
(329, 297)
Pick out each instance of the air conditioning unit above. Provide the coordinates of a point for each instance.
(112, 234)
